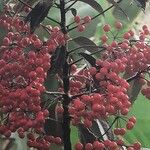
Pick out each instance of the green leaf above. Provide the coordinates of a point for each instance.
(93, 4)
(105, 128)
(135, 86)
(86, 43)
(73, 11)
(135, 90)
(38, 14)
(1, 5)
(89, 58)
(85, 134)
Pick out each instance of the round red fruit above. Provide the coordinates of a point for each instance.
(78, 146)
(106, 27)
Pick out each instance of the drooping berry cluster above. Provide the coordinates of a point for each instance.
(24, 62)
(135, 51)
(107, 93)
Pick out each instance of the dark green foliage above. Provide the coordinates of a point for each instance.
(38, 14)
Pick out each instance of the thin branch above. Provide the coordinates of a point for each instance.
(137, 75)
(54, 93)
(109, 127)
(24, 3)
(80, 94)
(52, 20)
(90, 54)
(76, 61)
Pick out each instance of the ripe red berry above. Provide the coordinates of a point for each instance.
(130, 125)
(126, 35)
(98, 145)
(137, 146)
(78, 146)
(6, 41)
(81, 28)
(87, 19)
(87, 123)
(106, 27)
(104, 38)
(77, 19)
(58, 141)
(114, 44)
(118, 25)
(92, 71)
(88, 146)
(132, 119)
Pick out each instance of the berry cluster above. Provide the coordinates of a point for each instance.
(24, 62)
(108, 90)
(81, 22)
(135, 51)
(107, 144)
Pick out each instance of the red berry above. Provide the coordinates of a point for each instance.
(106, 27)
(137, 146)
(87, 19)
(118, 25)
(78, 146)
(88, 146)
(6, 41)
(81, 28)
(77, 19)
(129, 125)
(104, 38)
(126, 35)
(132, 119)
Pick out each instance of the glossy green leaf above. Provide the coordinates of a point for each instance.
(135, 90)
(86, 43)
(135, 86)
(38, 14)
